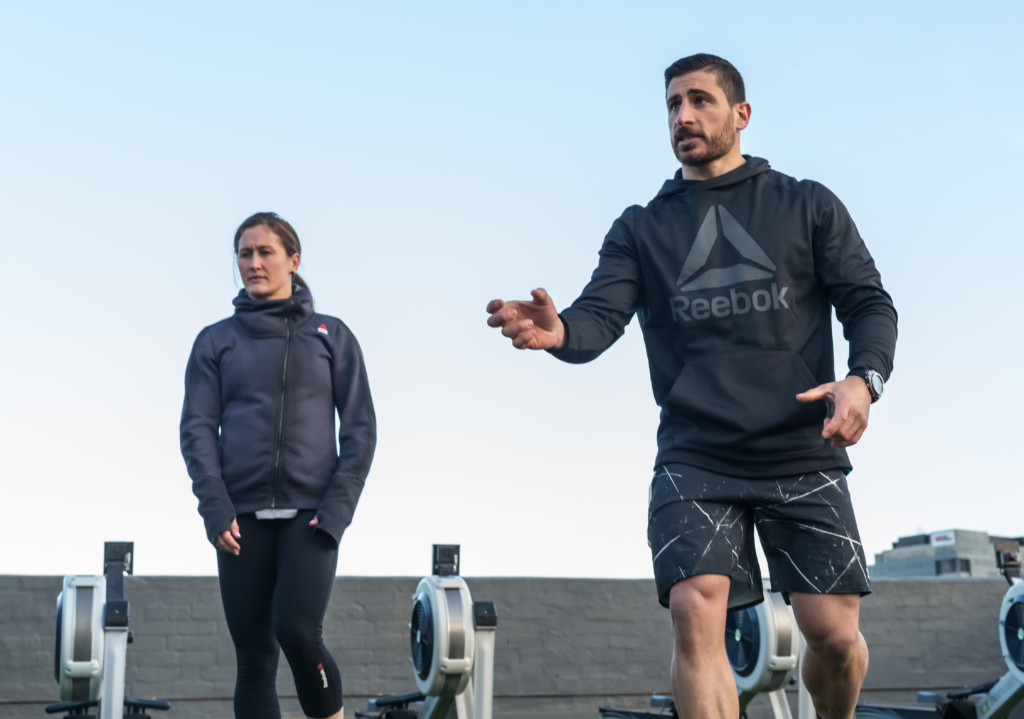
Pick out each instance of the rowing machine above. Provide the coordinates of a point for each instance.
(92, 643)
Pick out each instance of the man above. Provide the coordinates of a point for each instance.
(733, 270)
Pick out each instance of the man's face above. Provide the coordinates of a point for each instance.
(702, 124)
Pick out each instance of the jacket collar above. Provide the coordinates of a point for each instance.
(269, 318)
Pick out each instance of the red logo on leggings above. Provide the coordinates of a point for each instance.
(323, 674)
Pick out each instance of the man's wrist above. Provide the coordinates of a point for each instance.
(561, 334)
(873, 380)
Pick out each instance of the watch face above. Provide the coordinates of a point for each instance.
(877, 385)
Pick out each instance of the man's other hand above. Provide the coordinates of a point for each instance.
(531, 325)
(852, 403)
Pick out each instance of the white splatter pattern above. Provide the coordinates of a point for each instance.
(788, 516)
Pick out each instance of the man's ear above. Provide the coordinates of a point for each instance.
(743, 111)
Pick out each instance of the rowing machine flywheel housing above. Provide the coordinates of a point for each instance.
(442, 635)
(762, 644)
(78, 665)
(1011, 629)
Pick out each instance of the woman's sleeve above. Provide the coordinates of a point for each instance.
(357, 437)
(200, 429)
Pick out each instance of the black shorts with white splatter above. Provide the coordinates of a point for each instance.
(702, 522)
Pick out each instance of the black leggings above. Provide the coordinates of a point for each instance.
(275, 594)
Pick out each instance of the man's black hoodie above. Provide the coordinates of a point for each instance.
(733, 280)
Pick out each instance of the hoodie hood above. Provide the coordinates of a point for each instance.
(268, 318)
(753, 166)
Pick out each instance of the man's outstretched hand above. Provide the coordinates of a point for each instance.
(531, 325)
(852, 402)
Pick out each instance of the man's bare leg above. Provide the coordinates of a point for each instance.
(702, 681)
(835, 658)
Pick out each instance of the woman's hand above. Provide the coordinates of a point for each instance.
(314, 521)
(227, 541)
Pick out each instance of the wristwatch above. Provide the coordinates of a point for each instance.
(874, 381)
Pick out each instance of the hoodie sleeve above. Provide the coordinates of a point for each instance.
(845, 266)
(200, 427)
(357, 437)
(600, 314)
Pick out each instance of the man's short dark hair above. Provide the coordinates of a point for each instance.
(729, 78)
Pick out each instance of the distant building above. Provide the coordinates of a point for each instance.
(951, 553)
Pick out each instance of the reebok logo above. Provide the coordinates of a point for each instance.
(735, 303)
(698, 274)
(754, 264)
(323, 674)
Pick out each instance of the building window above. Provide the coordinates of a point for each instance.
(953, 566)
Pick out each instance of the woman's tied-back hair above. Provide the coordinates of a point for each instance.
(729, 78)
(284, 231)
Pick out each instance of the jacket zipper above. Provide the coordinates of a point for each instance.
(279, 448)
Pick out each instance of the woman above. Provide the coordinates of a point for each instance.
(276, 490)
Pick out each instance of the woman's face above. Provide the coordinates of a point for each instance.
(265, 267)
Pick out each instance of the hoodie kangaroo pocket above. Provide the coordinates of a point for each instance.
(746, 402)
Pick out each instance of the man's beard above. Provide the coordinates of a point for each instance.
(715, 147)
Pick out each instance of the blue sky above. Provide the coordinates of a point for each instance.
(432, 157)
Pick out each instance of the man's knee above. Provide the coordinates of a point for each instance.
(837, 645)
(698, 606)
(830, 626)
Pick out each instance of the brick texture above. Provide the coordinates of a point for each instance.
(563, 646)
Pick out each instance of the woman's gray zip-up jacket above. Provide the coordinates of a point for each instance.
(257, 427)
